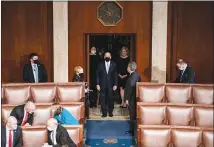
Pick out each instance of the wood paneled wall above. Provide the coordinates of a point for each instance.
(137, 18)
(26, 27)
(191, 37)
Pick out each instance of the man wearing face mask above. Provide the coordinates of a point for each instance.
(24, 113)
(34, 72)
(57, 135)
(106, 84)
(186, 73)
(11, 134)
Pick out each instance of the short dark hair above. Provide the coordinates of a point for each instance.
(32, 55)
(180, 61)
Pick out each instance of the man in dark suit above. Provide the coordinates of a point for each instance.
(186, 73)
(57, 135)
(24, 113)
(130, 94)
(106, 84)
(34, 72)
(11, 134)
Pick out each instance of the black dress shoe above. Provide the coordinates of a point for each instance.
(110, 114)
(130, 132)
(104, 115)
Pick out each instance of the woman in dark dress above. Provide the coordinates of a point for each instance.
(122, 65)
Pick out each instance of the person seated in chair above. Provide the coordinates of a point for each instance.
(57, 135)
(11, 134)
(24, 113)
(63, 116)
(78, 75)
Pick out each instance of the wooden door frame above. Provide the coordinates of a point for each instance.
(86, 45)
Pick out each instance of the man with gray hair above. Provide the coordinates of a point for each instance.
(130, 94)
(24, 113)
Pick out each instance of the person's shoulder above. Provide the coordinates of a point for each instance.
(19, 106)
(27, 65)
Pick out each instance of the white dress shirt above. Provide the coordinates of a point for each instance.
(34, 72)
(107, 64)
(7, 137)
(53, 136)
(24, 115)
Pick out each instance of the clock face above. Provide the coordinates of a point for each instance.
(109, 13)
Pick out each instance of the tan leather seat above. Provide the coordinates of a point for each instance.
(186, 137)
(203, 116)
(41, 114)
(77, 109)
(43, 93)
(181, 115)
(207, 137)
(149, 114)
(150, 93)
(203, 94)
(15, 94)
(34, 136)
(178, 93)
(5, 111)
(70, 92)
(76, 133)
(154, 136)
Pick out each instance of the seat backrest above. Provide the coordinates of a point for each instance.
(153, 136)
(41, 114)
(43, 93)
(181, 115)
(16, 94)
(150, 93)
(34, 136)
(186, 137)
(76, 134)
(70, 93)
(77, 110)
(207, 137)
(5, 111)
(178, 93)
(203, 116)
(151, 114)
(203, 94)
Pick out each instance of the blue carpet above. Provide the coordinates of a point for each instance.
(108, 133)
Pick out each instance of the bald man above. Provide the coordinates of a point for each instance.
(106, 84)
(57, 135)
(24, 113)
(11, 134)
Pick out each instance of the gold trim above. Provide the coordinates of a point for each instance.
(117, 21)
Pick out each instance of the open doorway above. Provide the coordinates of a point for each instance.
(103, 43)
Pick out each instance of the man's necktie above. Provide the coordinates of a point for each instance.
(36, 73)
(10, 143)
(107, 67)
(25, 120)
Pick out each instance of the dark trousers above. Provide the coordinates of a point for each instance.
(106, 100)
(93, 97)
(132, 114)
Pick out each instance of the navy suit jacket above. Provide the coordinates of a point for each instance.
(104, 79)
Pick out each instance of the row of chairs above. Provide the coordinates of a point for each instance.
(16, 94)
(174, 136)
(36, 136)
(175, 114)
(43, 112)
(175, 93)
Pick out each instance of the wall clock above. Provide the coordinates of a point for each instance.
(110, 13)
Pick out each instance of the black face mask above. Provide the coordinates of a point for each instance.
(81, 75)
(36, 61)
(107, 59)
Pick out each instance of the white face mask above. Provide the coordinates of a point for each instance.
(50, 129)
(14, 127)
(93, 52)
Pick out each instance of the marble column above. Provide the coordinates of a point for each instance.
(159, 41)
(60, 41)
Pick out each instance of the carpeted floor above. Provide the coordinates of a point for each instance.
(108, 133)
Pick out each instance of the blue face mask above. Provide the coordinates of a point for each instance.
(14, 127)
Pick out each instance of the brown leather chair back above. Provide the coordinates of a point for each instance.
(15, 94)
(181, 115)
(207, 137)
(203, 94)
(178, 93)
(151, 114)
(34, 136)
(203, 115)
(76, 134)
(70, 92)
(43, 93)
(150, 93)
(5, 111)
